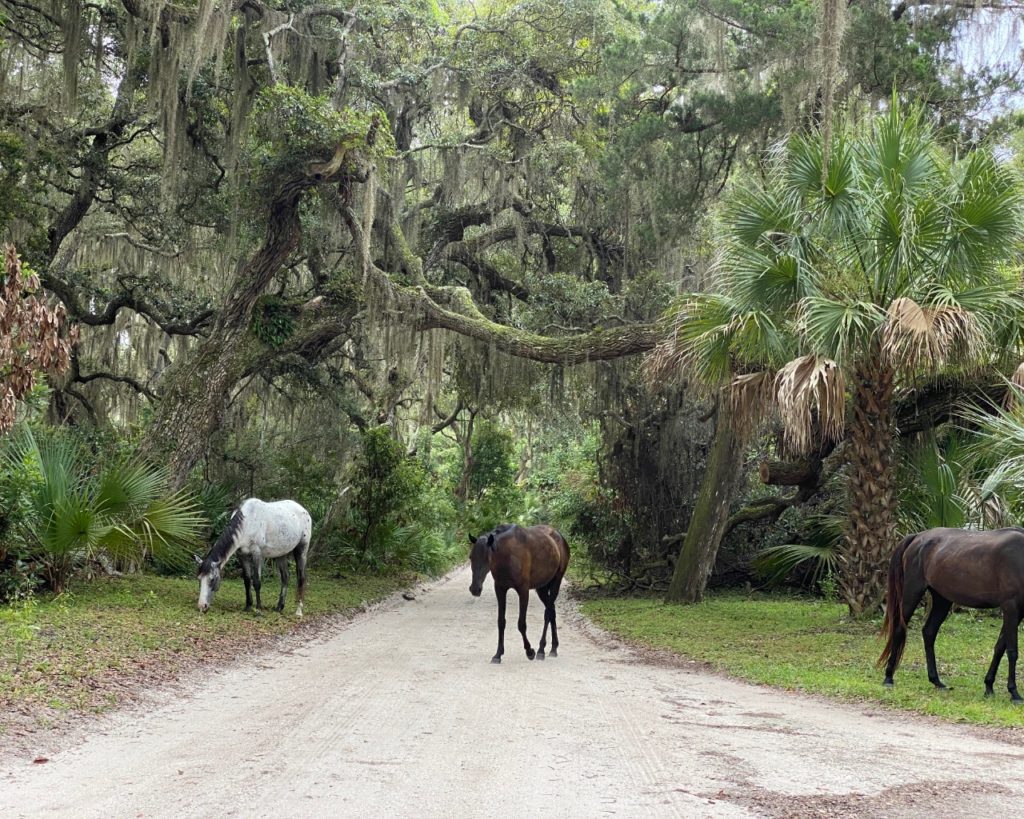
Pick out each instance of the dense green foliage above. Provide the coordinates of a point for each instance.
(62, 513)
(397, 517)
(400, 262)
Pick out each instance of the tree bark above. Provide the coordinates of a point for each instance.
(462, 490)
(197, 391)
(711, 512)
(871, 533)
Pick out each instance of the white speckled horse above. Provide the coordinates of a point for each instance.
(259, 530)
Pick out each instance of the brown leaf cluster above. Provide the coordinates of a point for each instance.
(34, 337)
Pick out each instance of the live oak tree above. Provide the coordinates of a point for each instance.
(381, 202)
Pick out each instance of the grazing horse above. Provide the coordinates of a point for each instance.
(983, 570)
(534, 557)
(258, 530)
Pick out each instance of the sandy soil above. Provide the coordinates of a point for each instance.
(401, 713)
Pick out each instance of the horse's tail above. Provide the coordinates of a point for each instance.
(565, 545)
(894, 604)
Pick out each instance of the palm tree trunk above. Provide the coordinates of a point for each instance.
(711, 512)
(871, 532)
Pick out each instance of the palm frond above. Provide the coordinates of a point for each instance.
(839, 329)
(752, 396)
(698, 341)
(807, 386)
(916, 337)
(774, 563)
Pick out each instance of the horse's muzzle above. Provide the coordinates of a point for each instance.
(475, 591)
(204, 607)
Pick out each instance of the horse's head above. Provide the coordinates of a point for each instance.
(480, 560)
(209, 581)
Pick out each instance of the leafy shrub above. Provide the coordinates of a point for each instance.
(819, 554)
(400, 515)
(565, 480)
(67, 512)
(289, 127)
(273, 321)
(493, 495)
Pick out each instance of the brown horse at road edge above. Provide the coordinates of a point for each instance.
(521, 558)
(982, 570)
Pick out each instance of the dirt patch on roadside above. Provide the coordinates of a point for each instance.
(937, 800)
(161, 676)
(634, 651)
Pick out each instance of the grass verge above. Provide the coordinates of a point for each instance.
(93, 648)
(811, 646)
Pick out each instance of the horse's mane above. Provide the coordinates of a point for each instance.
(226, 539)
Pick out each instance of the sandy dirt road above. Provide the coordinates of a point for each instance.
(400, 713)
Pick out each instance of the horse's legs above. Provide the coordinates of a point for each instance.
(913, 591)
(300, 574)
(501, 593)
(552, 596)
(1011, 619)
(282, 569)
(936, 617)
(997, 657)
(257, 581)
(543, 593)
(247, 578)
(524, 603)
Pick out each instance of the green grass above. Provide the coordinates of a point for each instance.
(807, 645)
(88, 650)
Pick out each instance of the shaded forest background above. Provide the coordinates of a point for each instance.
(405, 263)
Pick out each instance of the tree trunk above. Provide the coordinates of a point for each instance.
(462, 490)
(871, 532)
(198, 390)
(707, 525)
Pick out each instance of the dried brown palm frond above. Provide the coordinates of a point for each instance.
(916, 337)
(665, 361)
(961, 337)
(907, 337)
(807, 384)
(751, 395)
(1012, 398)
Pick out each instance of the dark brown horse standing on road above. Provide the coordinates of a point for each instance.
(983, 570)
(534, 557)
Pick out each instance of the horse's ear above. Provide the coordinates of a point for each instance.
(198, 560)
(490, 542)
(472, 539)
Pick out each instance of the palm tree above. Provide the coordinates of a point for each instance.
(72, 512)
(836, 284)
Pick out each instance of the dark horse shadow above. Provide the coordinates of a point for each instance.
(983, 570)
(521, 558)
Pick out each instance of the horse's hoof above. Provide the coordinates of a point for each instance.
(554, 652)
(887, 682)
(989, 692)
(530, 654)
(496, 660)
(257, 612)
(939, 685)
(540, 655)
